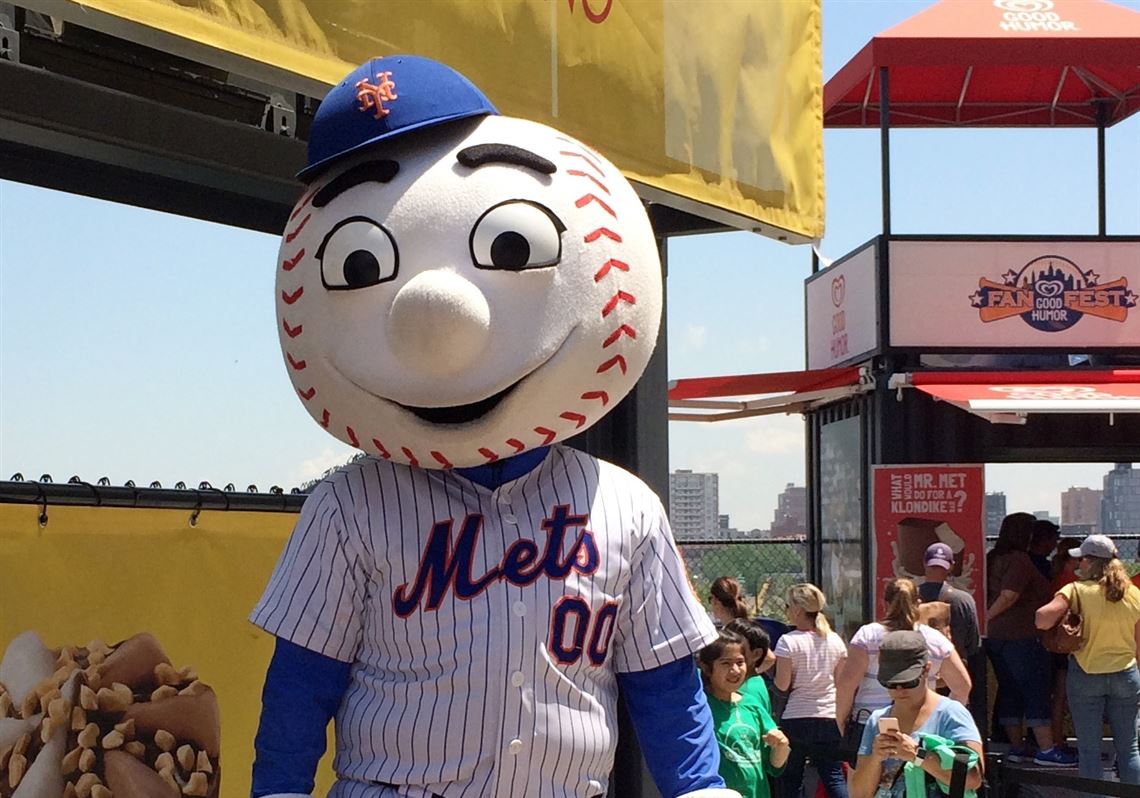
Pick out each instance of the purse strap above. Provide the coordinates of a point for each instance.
(958, 774)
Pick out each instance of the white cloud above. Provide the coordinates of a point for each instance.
(754, 460)
(782, 434)
(313, 467)
(693, 337)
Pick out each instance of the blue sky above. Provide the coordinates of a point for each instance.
(142, 346)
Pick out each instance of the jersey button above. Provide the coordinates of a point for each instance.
(593, 786)
(510, 519)
(517, 678)
(515, 746)
(519, 608)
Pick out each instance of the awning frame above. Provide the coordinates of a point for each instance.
(788, 403)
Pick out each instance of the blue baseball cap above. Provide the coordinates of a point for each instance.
(385, 98)
(939, 554)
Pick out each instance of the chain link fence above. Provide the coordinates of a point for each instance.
(764, 568)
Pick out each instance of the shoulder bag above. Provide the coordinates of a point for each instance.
(1067, 636)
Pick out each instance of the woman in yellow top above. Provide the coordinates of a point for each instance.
(1103, 678)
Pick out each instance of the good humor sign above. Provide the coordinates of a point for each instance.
(1015, 293)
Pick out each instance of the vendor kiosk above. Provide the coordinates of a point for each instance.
(958, 350)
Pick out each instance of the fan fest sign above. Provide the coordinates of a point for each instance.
(993, 294)
(917, 505)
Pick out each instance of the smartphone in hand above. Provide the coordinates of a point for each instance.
(888, 725)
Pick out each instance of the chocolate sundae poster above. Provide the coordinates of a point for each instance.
(917, 505)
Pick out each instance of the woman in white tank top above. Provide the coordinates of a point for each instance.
(806, 663)
(858, 690)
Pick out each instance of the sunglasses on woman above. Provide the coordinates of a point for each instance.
(913, 683)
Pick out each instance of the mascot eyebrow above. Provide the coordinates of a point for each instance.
(370, 172)
(482, 154)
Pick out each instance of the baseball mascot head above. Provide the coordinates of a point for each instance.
(458, 286)
(457, 291)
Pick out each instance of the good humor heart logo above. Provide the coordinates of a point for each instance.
(1024, 6)
(1031, 16)
(838, 290)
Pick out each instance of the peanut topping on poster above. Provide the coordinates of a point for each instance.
(104, 721)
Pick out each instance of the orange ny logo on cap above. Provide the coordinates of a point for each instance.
(374, 95)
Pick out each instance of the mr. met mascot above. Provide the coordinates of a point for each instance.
(457, 291)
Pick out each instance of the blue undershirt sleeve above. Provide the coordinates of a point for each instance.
(303, 690)
(671, 716)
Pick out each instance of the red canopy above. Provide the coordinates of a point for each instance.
(1008, 397)
(998, 63)
(798, 391)
(772, 382)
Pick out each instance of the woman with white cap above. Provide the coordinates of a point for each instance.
(1103, 678)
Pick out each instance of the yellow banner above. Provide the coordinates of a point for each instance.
(718, 102)
(109, 573)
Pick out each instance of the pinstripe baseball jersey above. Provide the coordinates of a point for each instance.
(485, 627)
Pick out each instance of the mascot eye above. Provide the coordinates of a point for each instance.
(357, 253)
(517, 235)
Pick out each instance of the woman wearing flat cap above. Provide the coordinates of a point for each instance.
(891, 737)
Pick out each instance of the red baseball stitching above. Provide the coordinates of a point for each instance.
(383, 452)
(292, 332)
(588, 176)
(325, 418)
(412, 461)
(620, 296)
(603, 271)
(288, 264)
(297, 231)
(617, 360)
(305, 200)
(602, 231)
(585, 158)
(289, 299)
(352, 437)
(586, 199)
(298, 365)
(625, 329)
(548, 434)
(309, 394)
(443, 461)
(577, 418)
(491, 456)
(516, 444)
(611, 263)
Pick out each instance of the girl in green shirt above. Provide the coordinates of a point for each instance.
(751, 747)
(758, 658)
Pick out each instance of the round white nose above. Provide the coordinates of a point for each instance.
(439, 322)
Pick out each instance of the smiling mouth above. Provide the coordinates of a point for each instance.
(460, 414)
(463, 414)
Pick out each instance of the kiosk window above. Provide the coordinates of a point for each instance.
(841, 521)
